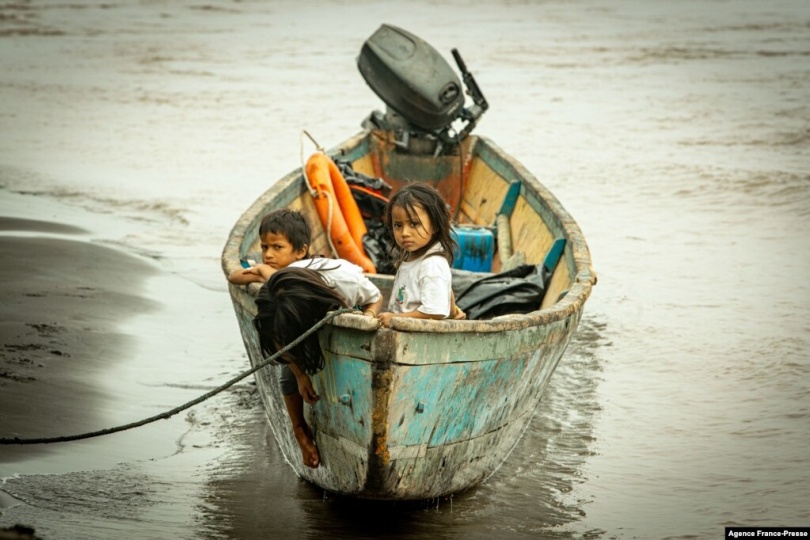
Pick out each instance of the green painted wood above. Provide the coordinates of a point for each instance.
(553, 255)
(508, 205)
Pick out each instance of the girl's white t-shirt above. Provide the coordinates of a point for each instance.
(423, 285)
(345, 277)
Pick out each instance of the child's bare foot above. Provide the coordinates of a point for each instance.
(309, 452)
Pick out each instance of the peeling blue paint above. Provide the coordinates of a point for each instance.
(460, 401)
(345, 407)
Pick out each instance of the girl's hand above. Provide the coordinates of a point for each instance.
(385, 319)
(306, 389)
(455, 312)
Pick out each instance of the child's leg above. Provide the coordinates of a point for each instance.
(309, 452)
(295, 409)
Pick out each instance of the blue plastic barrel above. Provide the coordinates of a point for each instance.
(476, 248)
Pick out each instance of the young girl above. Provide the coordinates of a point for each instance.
(291, 302)
(288, 305)
(418, 218)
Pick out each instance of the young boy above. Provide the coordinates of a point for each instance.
(284, 238)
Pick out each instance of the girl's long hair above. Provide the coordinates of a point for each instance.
(426, 197)
(289, 304)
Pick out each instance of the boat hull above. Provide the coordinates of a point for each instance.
(425, 408)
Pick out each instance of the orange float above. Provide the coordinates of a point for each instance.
(347, 227)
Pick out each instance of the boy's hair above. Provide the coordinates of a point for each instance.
(289, 304)
(425, 196)
(291, 224)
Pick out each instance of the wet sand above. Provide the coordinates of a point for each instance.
(61, 300)
(96, 332)
(87, 342)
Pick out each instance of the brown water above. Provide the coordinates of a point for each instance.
(676, 133)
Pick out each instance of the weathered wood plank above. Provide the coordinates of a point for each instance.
(484, 194)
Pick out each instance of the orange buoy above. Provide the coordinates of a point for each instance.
(347, 227)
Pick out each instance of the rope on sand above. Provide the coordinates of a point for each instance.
(162, 416)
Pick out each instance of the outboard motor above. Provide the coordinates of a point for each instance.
(423, 95)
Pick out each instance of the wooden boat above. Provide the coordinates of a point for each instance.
(425, 408)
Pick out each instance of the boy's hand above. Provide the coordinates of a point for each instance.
(255, 274)
(264, 271)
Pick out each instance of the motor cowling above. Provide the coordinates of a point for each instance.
(423, 94)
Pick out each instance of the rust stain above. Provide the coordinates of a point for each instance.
(379, 417)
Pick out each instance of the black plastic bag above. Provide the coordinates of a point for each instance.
(519, 290)
(378, 245)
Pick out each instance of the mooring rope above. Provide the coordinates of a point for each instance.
(162, 416)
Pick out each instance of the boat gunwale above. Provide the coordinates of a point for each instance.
(571, 302)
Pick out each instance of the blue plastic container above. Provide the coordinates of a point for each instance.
(476, 248)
